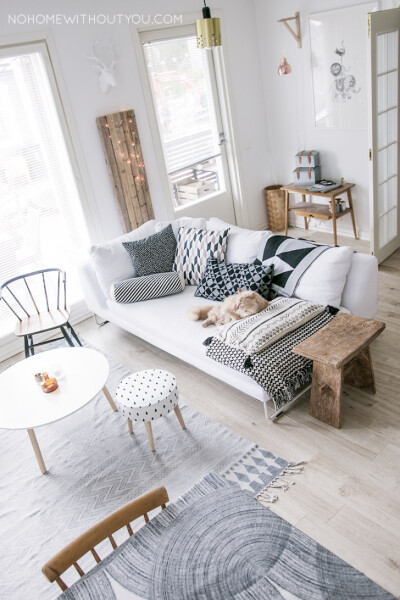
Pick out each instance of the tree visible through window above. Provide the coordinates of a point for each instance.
(41, 221)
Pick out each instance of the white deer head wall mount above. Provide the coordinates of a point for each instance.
(103, 57)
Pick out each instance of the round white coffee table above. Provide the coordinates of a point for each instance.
(23, 404)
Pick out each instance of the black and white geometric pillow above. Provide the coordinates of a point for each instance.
(194, 248)
(147, 287)
(221, 279)
(291, 259)
(154, 254)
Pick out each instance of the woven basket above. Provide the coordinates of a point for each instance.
(275, 199)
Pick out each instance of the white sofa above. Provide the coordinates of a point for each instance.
(163, 322)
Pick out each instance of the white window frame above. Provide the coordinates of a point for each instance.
(65, 115)
(44, 43)
(226, 113)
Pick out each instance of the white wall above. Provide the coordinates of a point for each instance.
(73, 43)
(290, 108)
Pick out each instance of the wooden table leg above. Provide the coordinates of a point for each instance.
(353, 220)
(326, 394)
(130, 425)
(333, 209)
(36, 449)
(179, 415)
(286, 211)
(149, 432)
(304, 198)
(360, 373)
(109, 398)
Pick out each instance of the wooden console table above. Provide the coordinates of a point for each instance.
(318, 210)
(340, 352)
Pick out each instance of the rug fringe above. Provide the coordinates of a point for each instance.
(268, 497)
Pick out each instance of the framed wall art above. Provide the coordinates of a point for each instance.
(338, 40)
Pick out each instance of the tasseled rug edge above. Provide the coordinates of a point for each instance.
(266, 496)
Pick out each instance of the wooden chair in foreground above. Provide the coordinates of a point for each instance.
(86, 542)
(39, 301)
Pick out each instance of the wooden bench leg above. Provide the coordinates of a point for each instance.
(130, 426)
(326, 394)
(360, 373)
(149, 432)
(179, 415)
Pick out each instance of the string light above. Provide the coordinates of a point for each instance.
(139, 179)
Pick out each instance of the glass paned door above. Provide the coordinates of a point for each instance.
(385, 230)
(185, 96)
(184, 104)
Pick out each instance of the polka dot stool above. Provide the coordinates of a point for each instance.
(146, 396)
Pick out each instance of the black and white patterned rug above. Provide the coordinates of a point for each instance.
(95, 467)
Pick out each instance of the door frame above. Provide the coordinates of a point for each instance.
(226, 110)
(384, 252)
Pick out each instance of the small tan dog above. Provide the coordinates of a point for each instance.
(238, 306)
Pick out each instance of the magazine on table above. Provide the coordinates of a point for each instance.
(324, 185)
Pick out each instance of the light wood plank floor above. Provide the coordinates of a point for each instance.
(348, 497)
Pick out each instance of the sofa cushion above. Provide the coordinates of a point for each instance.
(194, 248)
(147, 287)
(110, 260)
(244, 245)
(198, 223)
(221, 279)
(154, 254)
(308, 270)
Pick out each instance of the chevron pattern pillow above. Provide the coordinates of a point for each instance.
(222, 279)
(194, 248)
(147, 287)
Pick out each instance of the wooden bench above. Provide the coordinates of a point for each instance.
(340, 353)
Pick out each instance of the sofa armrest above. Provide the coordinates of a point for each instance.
(360, 294)
(93, 294)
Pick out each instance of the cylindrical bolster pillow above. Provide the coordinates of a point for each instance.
(147, 287)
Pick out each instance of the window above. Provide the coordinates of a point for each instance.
(187, 104)
(41, 221)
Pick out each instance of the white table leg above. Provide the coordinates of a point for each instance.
(37, 451)
(179, 415)
(149, 432)
(109, 398)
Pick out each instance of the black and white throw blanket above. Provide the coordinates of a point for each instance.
(277, 369)
(253, 334)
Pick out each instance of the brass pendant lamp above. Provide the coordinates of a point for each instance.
(208, 30)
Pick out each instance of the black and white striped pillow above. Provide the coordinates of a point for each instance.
(147, 287)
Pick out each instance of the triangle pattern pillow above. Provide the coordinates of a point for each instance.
(194, 248)
(307, 270)
(221, 279)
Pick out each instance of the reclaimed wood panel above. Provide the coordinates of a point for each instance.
(121, 144)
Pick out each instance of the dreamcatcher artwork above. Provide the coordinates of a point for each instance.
(339, 66)
(344, 83)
